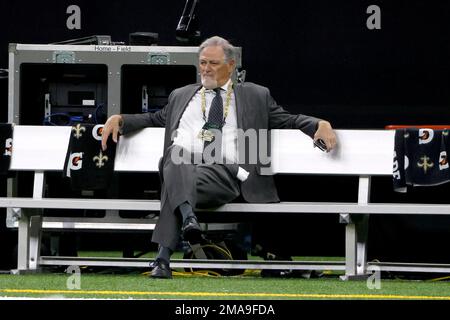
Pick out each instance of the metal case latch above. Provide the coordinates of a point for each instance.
(159, 58)
(63, 57)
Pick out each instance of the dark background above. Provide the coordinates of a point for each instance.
(318, 58)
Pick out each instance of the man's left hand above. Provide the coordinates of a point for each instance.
(326, 134)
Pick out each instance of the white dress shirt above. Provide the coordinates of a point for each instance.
(192, 122)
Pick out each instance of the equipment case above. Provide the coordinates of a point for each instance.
(79, 80)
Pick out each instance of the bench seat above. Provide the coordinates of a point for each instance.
(360, 153)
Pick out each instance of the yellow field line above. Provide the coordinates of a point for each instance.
(229, 294)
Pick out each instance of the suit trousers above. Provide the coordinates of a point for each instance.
(201, 185)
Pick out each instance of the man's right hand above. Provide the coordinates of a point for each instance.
(112, 125)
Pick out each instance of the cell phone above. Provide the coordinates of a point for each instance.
(319, 143)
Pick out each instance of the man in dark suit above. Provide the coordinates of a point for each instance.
(206, 161)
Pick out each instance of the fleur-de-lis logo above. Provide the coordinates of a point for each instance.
(425, 164)
(443, 161)
(78, 131)
(100, 159)
(8, 147)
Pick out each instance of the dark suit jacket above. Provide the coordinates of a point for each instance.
(255, 109)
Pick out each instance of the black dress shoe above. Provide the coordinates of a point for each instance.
(191, 230)
(161, 269)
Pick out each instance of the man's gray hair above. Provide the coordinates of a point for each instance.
(217, 41)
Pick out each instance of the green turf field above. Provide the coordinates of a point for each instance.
(120, 283)
(251, 285)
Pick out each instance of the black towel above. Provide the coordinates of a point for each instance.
(88, 167)
(420, 158)
(6, 142)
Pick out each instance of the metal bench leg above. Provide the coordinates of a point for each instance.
(356, 235)
(36, 222)
(35, 242)
(350, 251)
(355, 246)
(23, 242)
(30, 226)
(362, 230)
(29, 242)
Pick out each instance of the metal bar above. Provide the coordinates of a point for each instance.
(89, 204)
(98, 226)
(12, 214)
(114, 90)
(362, 226)
(285, 207)
(364, 190)
(23, 242)
(38, 185)
(350, 249)
(412, 267)
(91, 48)
(13, 84)
(147, 226)
(239, 264)
(117, 223)
(35, 241)
(187, 263)
(105, 219)
(362, 230)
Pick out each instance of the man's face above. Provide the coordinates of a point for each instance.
(214, 71)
